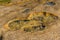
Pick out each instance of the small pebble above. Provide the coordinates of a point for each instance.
(50, 3)
(42, 27)
(26, 10)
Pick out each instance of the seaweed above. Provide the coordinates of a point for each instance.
(5, 1)
(15, 25)
(27, 29)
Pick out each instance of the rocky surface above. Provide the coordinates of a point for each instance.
(18, 9)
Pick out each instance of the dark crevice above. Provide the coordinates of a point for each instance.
(26, 20)
(1, 37)
(17, 21)
(44, 13)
